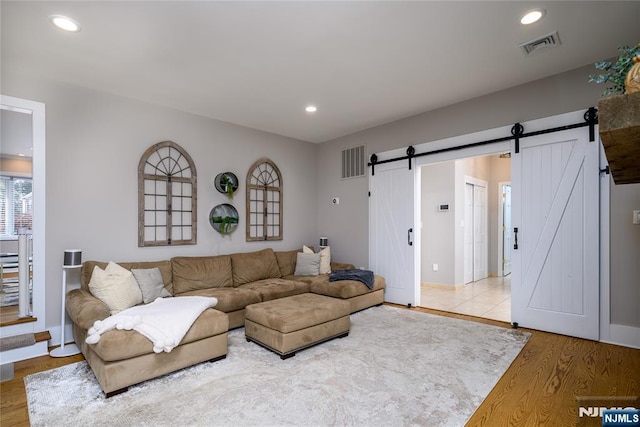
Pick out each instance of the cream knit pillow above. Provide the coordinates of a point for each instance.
(116, 287)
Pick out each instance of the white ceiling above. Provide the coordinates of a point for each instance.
(258, 64)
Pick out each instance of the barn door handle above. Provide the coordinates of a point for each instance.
(409, 236)
(515, 231)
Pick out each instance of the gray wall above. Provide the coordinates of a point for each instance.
(94, 143)
(437, 243)
(625, 255)
(15, 133)
(558, 94)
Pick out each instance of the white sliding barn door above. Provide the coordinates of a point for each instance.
(555, 183)
(392, 231)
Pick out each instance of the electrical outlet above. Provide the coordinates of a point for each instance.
(636, 217)
(335, 200)
(435, 267)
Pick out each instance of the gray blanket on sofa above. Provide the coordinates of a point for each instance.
(364, 276)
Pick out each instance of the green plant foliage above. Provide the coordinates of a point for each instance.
(616, 72)
(227, 184)
(226, 223)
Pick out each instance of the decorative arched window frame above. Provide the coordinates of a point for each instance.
(167, 196)
(264, 201)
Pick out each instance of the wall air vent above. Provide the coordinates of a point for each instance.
(353, 162)
(541, 43)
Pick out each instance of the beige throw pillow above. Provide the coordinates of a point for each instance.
(116, 287)
(325, 258)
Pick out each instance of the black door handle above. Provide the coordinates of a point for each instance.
(515, 231)
(409, 237)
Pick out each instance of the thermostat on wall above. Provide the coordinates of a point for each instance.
(443, 208)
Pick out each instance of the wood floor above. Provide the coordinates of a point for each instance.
(9, 316)
(539, 389)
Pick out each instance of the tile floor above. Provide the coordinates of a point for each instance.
(489, 298)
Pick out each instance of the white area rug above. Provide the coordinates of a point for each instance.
(396, 367)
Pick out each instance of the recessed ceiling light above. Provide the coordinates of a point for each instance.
(311, 109)
(65, 23)
(21, 155)
(532, 16)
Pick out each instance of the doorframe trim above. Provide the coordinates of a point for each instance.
(605, 249)
(37, 111)
(500, 268)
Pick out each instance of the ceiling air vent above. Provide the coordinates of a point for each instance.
(544, 42)
(353, 162)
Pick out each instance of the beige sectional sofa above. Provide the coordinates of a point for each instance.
(122, 358)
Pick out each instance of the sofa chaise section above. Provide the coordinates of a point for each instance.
(122, 358)
(356, 293)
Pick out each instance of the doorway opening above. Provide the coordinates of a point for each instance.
(22, 169)
(466, 236)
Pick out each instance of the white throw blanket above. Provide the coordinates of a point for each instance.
(164, 322)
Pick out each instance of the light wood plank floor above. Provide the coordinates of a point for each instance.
(9, 316)
(539, 389)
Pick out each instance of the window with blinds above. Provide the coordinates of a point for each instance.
(353, 162)
(16, 205)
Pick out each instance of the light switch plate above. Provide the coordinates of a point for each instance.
(636, 217)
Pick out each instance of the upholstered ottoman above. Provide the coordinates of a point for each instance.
(289, 324)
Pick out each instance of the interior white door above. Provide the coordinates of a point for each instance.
(468, 233)
(392, 231)
(507, 230)
(555, 285)
(480, 256)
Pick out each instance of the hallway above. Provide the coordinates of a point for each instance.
(489, 298)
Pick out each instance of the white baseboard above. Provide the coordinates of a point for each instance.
(442, 285)
(627, 336)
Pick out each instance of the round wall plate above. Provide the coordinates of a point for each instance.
(224, 179)
(224, 218)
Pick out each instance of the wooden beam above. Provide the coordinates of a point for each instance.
(619, 127)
